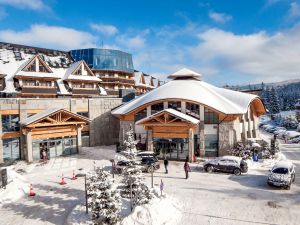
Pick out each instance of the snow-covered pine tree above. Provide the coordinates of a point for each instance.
(130, 143)
(140, 192)
(274, 101)
(104, 200)
(265, 96)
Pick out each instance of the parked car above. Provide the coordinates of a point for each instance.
(146, 154)
(231, 164)
(282, 174)
(279, 130)
(145, 162)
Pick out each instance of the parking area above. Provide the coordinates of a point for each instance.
(203, 199)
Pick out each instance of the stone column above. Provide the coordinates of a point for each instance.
(165, 105)
(183, 107)
(191, 144)
(201, 132)
(148, 111)
(29, 147)
(150, 140)
(79, 139)
(1, 142)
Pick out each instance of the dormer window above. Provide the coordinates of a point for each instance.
(31, 67)
(78, 71)
(36, 65)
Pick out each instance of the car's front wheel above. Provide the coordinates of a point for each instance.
(150, 169)
(209, 169)
(294, 177)
(237, 172)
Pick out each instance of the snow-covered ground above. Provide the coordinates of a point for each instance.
(202, 199)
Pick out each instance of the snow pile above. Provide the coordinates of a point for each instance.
(17, 187)
(78, 216)
(159, 211)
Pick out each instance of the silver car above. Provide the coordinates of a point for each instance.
(282, 174)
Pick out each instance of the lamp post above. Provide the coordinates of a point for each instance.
(113, 167)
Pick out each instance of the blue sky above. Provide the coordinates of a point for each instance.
(228, 41)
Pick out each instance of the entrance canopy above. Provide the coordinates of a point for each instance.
(53, 123)
(169, 123)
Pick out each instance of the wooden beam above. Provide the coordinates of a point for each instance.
(10, 135)
(9, 112)
(170, 135)
(54, 135)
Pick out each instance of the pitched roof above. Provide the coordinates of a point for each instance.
(173, 112)
(46, 113)
(220, 99)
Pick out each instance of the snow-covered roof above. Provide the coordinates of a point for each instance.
(220, 99)
(185, 73)
(174, 113)
(45, 113)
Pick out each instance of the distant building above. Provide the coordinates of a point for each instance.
(115, 69)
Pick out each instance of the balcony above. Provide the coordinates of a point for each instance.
(115, 80)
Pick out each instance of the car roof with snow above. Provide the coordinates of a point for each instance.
(145, 152)
(282, 164)
(230, 157)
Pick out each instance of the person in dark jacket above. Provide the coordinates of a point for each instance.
(166, 163)
(187, 169)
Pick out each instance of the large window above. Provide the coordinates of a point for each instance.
(175, 105)
(157, 108)
(45, 83)
(192, 110)
(85, 114)
(10, 123)
(210, 117)
(141, 114)
(11, 149)
(29, 83)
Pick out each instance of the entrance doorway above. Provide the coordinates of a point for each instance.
(54, 147)
(173, 148)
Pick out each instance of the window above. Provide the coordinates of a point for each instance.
(29, 83)
(157, 108)
(175, 105)
(141, 114)
(192, 110)
(78, 71)
(10, 123)
(85, 114)
(11, 149)
(88, 85)
(31, 67)
(76, 85)
(45, 83)
(85, 133)
(210, 117)
(42, 68)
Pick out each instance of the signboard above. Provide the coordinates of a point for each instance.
(4, 178)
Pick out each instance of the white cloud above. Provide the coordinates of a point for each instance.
(50, 37)
(219, 17)
(26, 4)
(132, 42)
(294, 11)
(259, 55)
(106, 29)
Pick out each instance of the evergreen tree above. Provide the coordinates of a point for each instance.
(274, 101)
(130, 143)
(103, 199)
(265, 97)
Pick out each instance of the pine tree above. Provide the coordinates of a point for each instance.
(103, 199)
(133, 177)
(265, 97)
(274, 101)
(130, 143)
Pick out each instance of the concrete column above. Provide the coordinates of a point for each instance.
(79, 139)
(150, 140)
(183, 107)
(1, 142)
(148, 111)
(244, 131)
(165, 105)
(191, 144)
(201, 132)
(29, 147)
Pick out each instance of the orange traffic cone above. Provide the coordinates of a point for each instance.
(74, 177)
(31, 193)
(62, 182)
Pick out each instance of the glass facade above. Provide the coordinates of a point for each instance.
(10, 123)
(54, 147)
(11, 149)
(173, 148)
(105, 59)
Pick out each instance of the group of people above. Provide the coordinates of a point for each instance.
(186, 167)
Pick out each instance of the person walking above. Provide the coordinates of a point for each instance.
(187, 169)
(166, 163)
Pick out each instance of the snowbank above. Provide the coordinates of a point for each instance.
(78, 216)
(160, 211)
(17, 187)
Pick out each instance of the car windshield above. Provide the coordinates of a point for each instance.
(280, 170)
